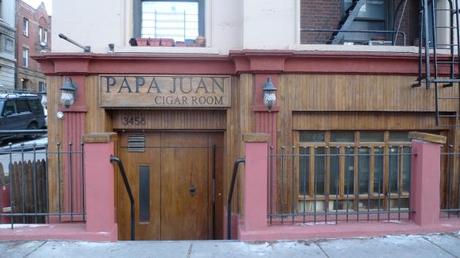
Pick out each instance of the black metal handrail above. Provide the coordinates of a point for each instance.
(128, 189)
(230, 196)
(395, 33)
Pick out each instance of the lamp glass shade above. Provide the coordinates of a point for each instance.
(67, 98)
(68, 92)
(269, 94)
(269, 99)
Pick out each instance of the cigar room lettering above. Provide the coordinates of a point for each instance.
(165, 91)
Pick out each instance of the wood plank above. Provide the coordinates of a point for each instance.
(144, 91)
(132, 160)
(55, 137)
(169, 119)
(176, 213)
(427, 137)
(99, 119)
(99, 137)
(184, 213)
(364, 121)
(256, 137)
(320, 92)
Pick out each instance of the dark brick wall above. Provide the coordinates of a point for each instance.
(326, 14)
(319, 14)
(410, 23)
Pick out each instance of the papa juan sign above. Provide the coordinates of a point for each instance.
(138, 91)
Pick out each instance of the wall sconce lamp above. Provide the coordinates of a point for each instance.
(269, 94)
(68, 92)
(43, 98)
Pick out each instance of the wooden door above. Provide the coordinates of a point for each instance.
(177, 202)
(141, 163)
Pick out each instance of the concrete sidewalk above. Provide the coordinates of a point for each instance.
(439, 245)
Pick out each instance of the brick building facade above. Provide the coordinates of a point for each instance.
(33, 37)
(328, 15)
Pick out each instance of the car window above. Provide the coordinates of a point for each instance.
(34, 105)
(22, 106)
(9, 107)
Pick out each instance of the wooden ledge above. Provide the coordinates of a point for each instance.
(256, 137)
(427, 137)
(99, 137)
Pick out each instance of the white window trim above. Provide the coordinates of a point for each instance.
(127, 33)
(25, 27)
(26, 58)
(42, 35)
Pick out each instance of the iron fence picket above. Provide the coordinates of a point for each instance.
(349, 200)
(30, 198)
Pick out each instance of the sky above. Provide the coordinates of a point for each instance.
(36, 3)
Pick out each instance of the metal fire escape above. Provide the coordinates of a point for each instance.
(439, 62)
(350, 14)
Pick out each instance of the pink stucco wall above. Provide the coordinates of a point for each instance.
(425, 181)
(99, 187)
(255, 186)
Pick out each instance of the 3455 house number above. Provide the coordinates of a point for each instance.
(133, 120)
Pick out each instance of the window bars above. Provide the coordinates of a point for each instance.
(332, 184)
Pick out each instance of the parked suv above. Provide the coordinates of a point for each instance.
(21, 111)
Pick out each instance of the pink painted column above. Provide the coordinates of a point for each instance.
(99, 184)
(425, 180)
(255, 182)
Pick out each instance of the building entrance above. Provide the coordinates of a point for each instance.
(174, 177)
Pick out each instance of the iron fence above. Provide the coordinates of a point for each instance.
(41, 183)
(332, 184)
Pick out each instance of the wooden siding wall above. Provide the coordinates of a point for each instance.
(364, 121)
(55, 136)
(172, 119)
(240, 120)
(306, 102)
(364, 102)
(349, 99)
(98, 120)
(362, 93)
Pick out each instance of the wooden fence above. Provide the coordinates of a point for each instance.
(28, 182)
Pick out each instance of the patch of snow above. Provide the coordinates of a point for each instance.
(8, 226)
(393, 221)
(317, 223)
(39, 141)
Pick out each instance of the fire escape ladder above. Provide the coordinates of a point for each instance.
(439, 61)
(345, 24)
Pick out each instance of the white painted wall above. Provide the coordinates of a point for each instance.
(89, 22)
(98, 23)
(226, 24)
(270, 24)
